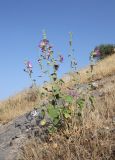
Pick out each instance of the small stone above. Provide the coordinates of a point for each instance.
(94, 85)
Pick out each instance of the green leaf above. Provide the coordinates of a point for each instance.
(56, 121)
(53, 112)
(68, 99)
(43, 112)
(67, 113)
(80, 102)
(56, 89)
(52, 129)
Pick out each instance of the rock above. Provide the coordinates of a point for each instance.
(94, 85)
(17, 132)
(23, 127)
(82, 88)
(8, 135)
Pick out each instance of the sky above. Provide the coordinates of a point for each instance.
(92, 22)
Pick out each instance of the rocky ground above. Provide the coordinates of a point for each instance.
(16, 132)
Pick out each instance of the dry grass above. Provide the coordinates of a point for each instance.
(88, 138)
(19, 104)
(91, 138)
(23, 102)
(103, 68)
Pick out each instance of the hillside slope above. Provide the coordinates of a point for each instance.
(92, 139)
(28, 99)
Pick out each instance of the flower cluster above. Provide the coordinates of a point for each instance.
(46, 48)
(97, 52)
(28, 67)
(47, 60)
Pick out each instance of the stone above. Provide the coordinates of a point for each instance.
(94, 85)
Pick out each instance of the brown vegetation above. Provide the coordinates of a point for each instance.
(103, 68)
(19, 104)
(89, 138)
(92, 136)
(25, 101)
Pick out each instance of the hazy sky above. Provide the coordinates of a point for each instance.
(22, 21)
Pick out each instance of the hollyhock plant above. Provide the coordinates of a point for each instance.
(74, 64)
(59, 106)
(28, 68)
(73, 61)
(61, 58)
(43, 43)
(29, 65)
(48, 55)
(46, 48)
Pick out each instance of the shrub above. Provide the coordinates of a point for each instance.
(106, 50)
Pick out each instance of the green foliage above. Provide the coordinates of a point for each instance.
(58, 109)
(80, 103)
(58, 113)
(67, 113)
(68, 99)
(53, 112)
(106, 50)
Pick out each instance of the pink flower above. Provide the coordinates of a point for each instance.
(28, 69)
(97, 52)
(29, 64)
(43, 43)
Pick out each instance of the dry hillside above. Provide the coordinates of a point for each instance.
(88, 137)
(93, 136)
(28, 99)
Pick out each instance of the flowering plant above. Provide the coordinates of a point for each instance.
(59, 103)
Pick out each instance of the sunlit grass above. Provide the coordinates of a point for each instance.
(92, 139)
(103, 68)
(26, 100)
(19, 104)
